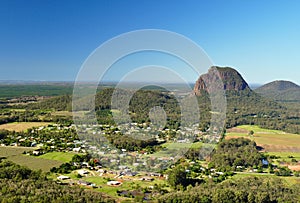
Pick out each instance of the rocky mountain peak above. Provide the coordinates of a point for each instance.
(231, 80)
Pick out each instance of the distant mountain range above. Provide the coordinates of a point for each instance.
(280, 90)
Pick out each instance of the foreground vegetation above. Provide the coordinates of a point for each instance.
(247, 189)
(20, 184)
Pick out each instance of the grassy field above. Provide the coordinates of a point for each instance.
(270, 140)
(178, 148)
(258, 129)
(195, 145)
(62, 113)
(182, 145)
(14, 154)
(21, 126)
(58, 156)
(286, 155)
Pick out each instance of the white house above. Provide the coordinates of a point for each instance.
(82, 172)
(62, 177)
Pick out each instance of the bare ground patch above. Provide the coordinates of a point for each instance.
(237, 130)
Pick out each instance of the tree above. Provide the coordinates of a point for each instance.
(251, 133)
(235, 152)
(177, 177)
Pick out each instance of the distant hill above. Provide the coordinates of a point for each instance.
(280, 90)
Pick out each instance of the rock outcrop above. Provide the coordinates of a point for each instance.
(220, 78)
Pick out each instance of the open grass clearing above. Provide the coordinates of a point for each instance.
(35, 163)
(22, 126)
(79, 114)
(175, 149)
(286, 155)
(270, 140)
(62, 113)
(195, 145)
(13, 151)
(58, 156)
(15, 154)
(258, 129)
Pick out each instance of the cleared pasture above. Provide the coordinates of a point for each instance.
(270, 140)
(15, 154)
(21, 126)
(58, 156)
(179, 148)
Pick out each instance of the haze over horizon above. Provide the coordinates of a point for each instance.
(50, 40)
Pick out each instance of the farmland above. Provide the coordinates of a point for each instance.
(15, 154)
(21, 126)
(58, 156)
(270, 140)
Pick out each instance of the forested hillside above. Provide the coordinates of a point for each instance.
(243, 107)
(243, 190)
(284, 91)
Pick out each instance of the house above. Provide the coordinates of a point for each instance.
(147, 179)
(84, 164)
(122, 167)
(84, 183)
(155, 174)
(76, 149)
(37, 152)
(114, 183)
(129, 173)
(101, 171)
(265, 162)
(82, 172)
(135, 164)
(62, 177)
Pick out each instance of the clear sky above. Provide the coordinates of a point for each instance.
(49, 40)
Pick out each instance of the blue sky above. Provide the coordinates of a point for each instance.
(49, 40)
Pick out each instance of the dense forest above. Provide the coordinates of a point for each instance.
(236, 152)
(247, 189)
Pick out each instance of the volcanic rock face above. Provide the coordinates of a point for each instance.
(217, 78)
